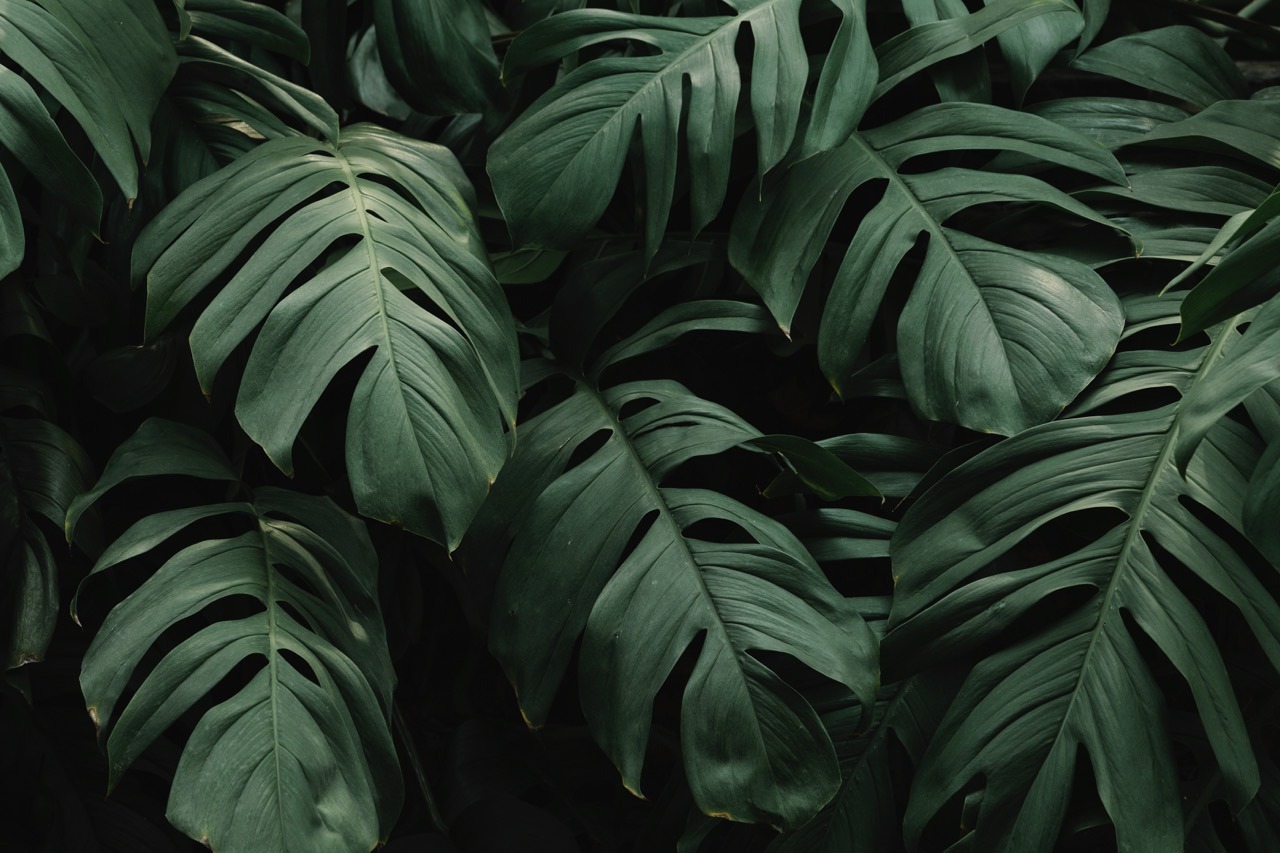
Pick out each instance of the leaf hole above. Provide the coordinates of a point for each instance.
(299, 664)
(588, 448)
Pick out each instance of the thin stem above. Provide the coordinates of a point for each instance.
(406, 738)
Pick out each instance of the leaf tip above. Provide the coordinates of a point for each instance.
(533, 727)
(632, 789)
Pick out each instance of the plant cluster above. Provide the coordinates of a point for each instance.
(809, 426)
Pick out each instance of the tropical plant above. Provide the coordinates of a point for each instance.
(417, 425)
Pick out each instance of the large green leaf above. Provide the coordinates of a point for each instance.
(754, 750)
(948, 31)
(300, 758)
(383, 217)
(992, 338)
(1077, 679)
(555, 169)
(593, 544)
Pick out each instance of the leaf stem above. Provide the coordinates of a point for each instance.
(411, 751)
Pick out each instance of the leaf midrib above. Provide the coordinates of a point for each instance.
(665, 515)
(273, 655)
(375, 275)
(937, 232)
(1160, 468)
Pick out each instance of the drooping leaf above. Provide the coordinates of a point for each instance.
(32, 137)
(966, 77)
(386, 217)
(555, 169)
(992, 338)
(1246, 277)
(1077, 680)
(300, 758)
(158, 447)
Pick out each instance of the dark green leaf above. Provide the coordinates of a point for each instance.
(555, 169)
(425, 435)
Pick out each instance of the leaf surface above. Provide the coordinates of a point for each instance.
(354, 229)
(992, 338)
(555, 169)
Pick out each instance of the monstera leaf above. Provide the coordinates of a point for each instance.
(438, 54)
(300, 758)
(555, 169)
(600, 548)
(361, 226)
(42, 469)
(754, 750)
(71, 49)
(992, 338)
(1079, 680)
(1246, 277)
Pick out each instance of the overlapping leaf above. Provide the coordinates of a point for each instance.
(754, 750)
(438, 54)
(1078, 680)
(993, 338)
(358, 226)
(556, 167)
(300, 758)
(1178, 61)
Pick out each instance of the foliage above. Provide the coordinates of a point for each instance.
(416, 416)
